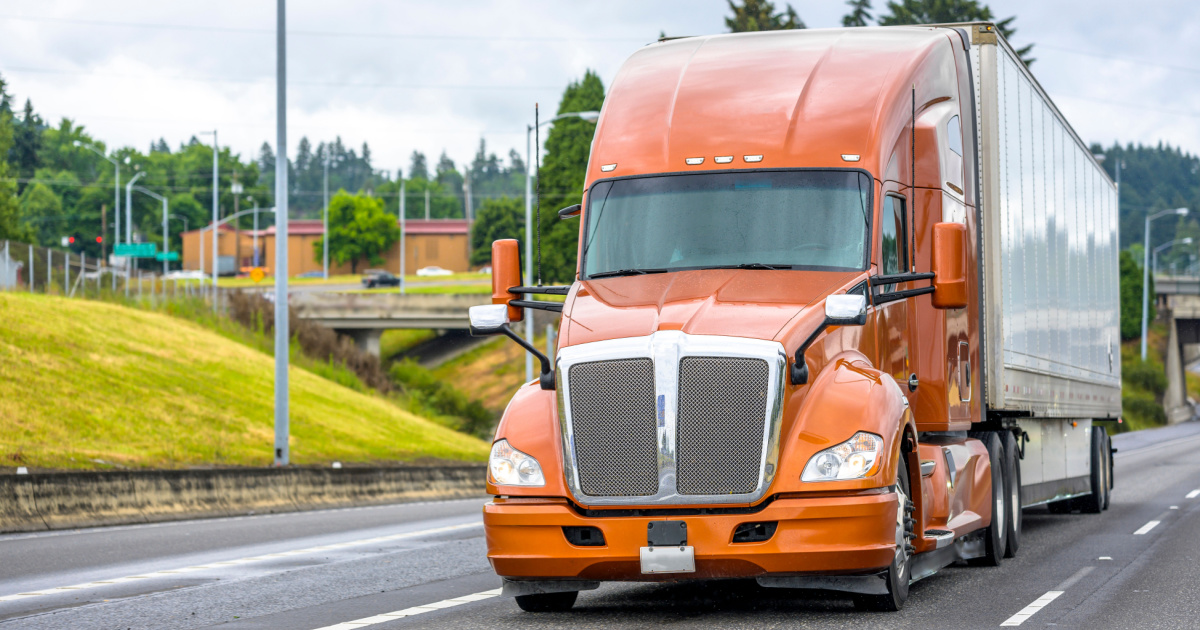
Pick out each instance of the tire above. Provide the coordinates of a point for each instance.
(1012, 489)
(1094, 503)
(996, 534)
(1106, 449)
(898, 574)
(547, 602)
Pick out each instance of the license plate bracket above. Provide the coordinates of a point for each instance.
(666, 533)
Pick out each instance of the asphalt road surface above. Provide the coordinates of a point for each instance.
(422, 565)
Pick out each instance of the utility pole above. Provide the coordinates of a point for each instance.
(281, 235)
(236, 189)
(325, 229)
(256, 232)
(402, 236)
(426, 204)
(103, 226)
(129, 224)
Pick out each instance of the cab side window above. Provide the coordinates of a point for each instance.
(894, 234)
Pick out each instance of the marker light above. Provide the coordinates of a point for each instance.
(694, 161)
(853, 459)
(752, 158)
(850, 157)
(607, 168)
(723, 159)
(510, 467)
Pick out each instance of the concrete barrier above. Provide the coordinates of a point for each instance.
(87, 499)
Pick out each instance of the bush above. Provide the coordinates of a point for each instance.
(1145, 375)
(430, 397)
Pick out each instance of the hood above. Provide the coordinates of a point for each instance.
(755, 303)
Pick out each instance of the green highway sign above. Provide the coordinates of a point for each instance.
(137, 250)
(171, 256)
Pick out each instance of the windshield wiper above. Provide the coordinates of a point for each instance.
(753, 265)
(625, 272)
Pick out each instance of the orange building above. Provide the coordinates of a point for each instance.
(436, 242)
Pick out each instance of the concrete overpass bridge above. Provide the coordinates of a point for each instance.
(1178, 299)
(364, 316)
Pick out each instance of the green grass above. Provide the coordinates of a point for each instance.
(83, 380)
(393, 342)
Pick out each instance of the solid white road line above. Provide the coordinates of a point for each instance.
(239, 561)
(1146, 528)
(415, 610)
(1032, 609)
(1193, 494)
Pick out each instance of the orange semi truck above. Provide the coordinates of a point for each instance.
(846, 303)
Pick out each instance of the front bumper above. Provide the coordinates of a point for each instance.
(841, 535)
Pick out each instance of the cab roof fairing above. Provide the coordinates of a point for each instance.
(799, 98)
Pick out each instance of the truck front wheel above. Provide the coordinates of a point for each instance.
(547, 602)
(995, 536)
(898, 576)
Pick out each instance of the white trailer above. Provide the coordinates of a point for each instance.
(1048, 225)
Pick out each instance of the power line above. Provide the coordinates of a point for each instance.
(304, 33)
(269, 80)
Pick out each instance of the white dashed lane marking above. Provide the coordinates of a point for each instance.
(1193, 494)
(240, 561)
(1041, 602)
(415, 610)
(1145, 529)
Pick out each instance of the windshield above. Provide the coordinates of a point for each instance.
(802, 219)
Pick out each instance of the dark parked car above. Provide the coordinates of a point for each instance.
(379, 278)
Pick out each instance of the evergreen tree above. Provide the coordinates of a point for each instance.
(451, 183)
(562, 174)
(860, 13)
(495, 219)
(417, 168)
(42, 214)
(5, 99)
(9, 210)
(760, 15)
(949, 11)
(27, 142)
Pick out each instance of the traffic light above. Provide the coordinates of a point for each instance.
(100, 239)
(71, 240)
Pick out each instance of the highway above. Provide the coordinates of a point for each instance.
(423, 565)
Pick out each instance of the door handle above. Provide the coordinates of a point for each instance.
(913, 382)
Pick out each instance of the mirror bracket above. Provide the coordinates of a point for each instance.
(547, 377)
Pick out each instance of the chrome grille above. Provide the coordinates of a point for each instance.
(613, 418)
(722, 415)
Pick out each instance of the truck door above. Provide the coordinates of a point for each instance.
(897, 355)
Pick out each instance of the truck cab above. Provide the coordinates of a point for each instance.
(770, 363)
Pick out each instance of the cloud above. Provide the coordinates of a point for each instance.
(413, 75)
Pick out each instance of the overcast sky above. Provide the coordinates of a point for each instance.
(409, 75)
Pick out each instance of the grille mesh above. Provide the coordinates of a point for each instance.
(722, 416)
(613, 420)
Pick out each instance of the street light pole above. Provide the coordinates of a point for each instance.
(215, 215)
(589, 117)
(402, 212)
(1146, 270)
(325, 227)
(166, 230)
(281, 235)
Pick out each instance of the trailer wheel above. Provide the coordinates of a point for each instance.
(996, 535)
(1108, 468)
(898, 574)
(1095, 502)
(1012, 483)
(547, 602)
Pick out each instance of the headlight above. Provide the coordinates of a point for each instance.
(853, 459)
(510, 467)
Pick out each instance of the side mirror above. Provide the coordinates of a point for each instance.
(506, 274)
(846, 310)
(949, 265)
(570, 212)
(840, 310)
(488, 319)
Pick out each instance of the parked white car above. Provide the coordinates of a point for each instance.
(434, 271)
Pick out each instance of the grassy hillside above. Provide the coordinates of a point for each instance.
(82, 381)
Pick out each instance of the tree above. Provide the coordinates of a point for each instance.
(42, 212)
(27, 142)
(494, 220)
(1131, 296)
(562, 175)
(860, 12)
(9, 209)
(417, 168)
(948, 11)
(359, 228)
(760, 15)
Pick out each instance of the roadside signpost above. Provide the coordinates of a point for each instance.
(167, 256)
